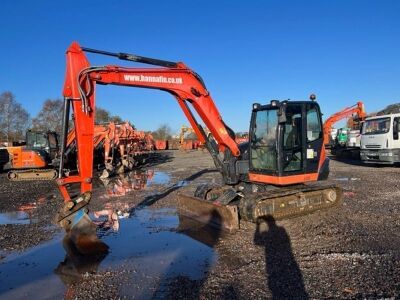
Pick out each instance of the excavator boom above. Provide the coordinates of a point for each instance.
(357, 109)
(184, 84)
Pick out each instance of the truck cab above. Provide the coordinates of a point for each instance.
(380, 142)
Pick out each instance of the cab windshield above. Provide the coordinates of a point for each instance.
(376, 126)
(36, 140)
(263, 144)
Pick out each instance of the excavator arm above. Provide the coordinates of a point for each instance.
(175, 78)
(357, 109)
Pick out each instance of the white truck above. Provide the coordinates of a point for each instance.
(353, 138)
(380, 142)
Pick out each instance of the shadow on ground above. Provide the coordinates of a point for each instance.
(284, 277)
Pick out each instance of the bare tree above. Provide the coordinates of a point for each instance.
(50, 116)
(191, 136)
(117, 119)
(164, 132)
(104, 116)
(14, 119)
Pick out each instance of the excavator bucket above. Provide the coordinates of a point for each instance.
(84, 236)
(213, 214)
(81, 231)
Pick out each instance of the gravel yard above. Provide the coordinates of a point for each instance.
(350, 251)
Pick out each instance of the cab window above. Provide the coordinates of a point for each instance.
(263, 142)
(314, 129)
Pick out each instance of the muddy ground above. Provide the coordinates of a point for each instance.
(350, 251)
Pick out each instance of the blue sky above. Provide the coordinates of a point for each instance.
(246, 51)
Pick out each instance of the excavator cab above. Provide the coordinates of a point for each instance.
(286, 139)
(44, 142)
(29, 161)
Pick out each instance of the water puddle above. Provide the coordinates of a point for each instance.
(153, 245)
(136, 180)
(347, 179)
(160, 178)
(25, 212)
(16, 217)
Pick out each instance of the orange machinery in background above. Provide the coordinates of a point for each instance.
(29, 162)
(358, 109)
(117, 145)
(161, 144)
(187, 144)
(242, 137)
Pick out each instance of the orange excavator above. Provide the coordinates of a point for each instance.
(134, 146)
(115, 145)
(356, 111)
(36, 159)
(277, 173)
(103, 141)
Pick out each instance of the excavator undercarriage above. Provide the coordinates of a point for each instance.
(225, 207)
(32, 174)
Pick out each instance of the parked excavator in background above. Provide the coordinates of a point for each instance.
(117, 148)
(36, 159)
(342, 145)
(277, 173)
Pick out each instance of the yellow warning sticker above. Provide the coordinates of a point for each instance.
(310, 153)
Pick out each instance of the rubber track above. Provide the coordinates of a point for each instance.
(252, 206)
(33, 175)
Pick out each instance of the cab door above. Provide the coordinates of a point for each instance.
(301, 139)
(313, 138)
(292, 158)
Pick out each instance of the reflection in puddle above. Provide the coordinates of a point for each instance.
(24, 214)
(161, 178)
(347, 178)
(155, 244)
(204, 233)
(16, 217)
(75, 263)
(135, 180)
